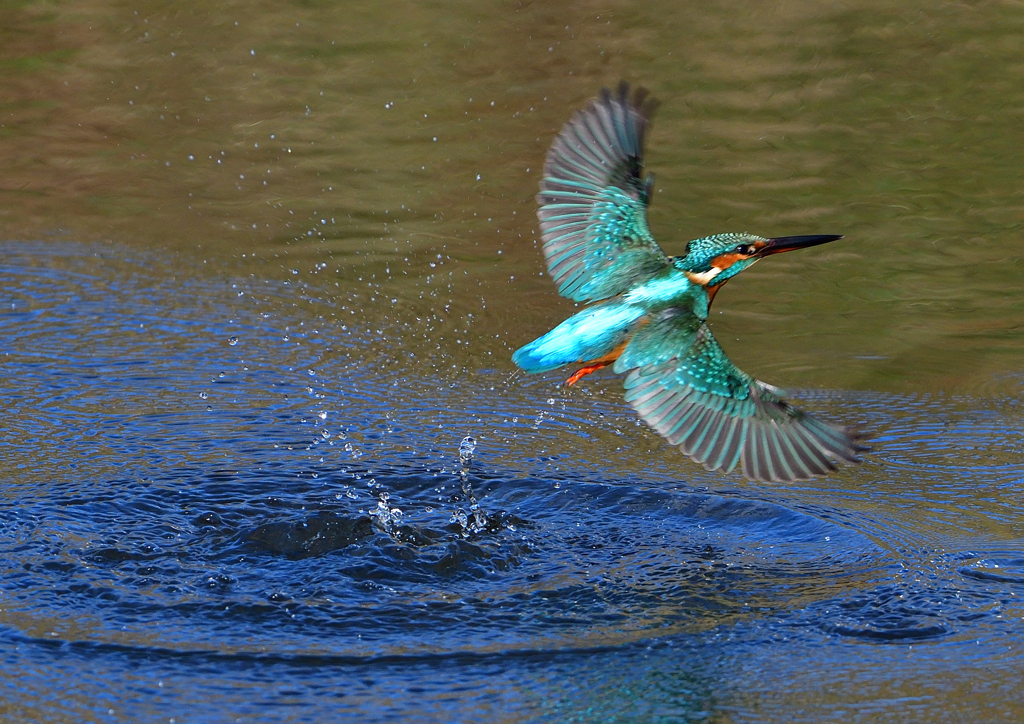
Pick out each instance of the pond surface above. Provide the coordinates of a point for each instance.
(265, 454)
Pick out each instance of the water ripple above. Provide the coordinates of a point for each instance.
(246, 480)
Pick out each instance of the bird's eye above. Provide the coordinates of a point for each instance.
(745, 249)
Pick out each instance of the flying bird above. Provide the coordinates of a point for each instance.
(647, 313)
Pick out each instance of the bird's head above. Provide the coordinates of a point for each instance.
(713, 260)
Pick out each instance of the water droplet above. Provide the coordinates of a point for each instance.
(203, 395)
(466, 449)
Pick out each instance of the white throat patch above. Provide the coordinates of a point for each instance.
(704, 277)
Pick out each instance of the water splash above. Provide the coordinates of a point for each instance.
(474, 520)
(385, 516)
(466, 449)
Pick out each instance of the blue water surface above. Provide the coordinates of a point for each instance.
(223, 506)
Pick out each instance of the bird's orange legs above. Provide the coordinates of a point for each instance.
(595, 364)
(584, 371)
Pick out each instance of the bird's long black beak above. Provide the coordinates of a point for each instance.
(789, 243)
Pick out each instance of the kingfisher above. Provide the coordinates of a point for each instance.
(647, 313)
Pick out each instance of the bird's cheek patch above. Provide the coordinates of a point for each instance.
(725, 261)
(703, 278)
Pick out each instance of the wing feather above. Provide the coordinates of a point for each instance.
(683, 385)
(792, 459)
(818, 463)
(593, 200)
(753, 466)
(726, 453)
(714, 428)
(779, 454)
(696, 431)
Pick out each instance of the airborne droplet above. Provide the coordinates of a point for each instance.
(466, 448)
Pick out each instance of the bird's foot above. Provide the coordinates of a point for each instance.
(584, 371)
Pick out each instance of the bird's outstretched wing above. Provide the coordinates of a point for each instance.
(682, 384)
(593, 201)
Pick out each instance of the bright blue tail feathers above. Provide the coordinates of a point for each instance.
(586, 336)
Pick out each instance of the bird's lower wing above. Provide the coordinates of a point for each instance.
(593, 201)
(682, 384)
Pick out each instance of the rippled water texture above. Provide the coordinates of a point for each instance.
(265, 456)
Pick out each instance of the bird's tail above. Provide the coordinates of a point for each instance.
(589, 335)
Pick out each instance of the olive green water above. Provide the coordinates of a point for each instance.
(897, 127)
(377, 163)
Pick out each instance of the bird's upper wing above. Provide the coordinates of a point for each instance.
(593, 201)
(682, 384)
